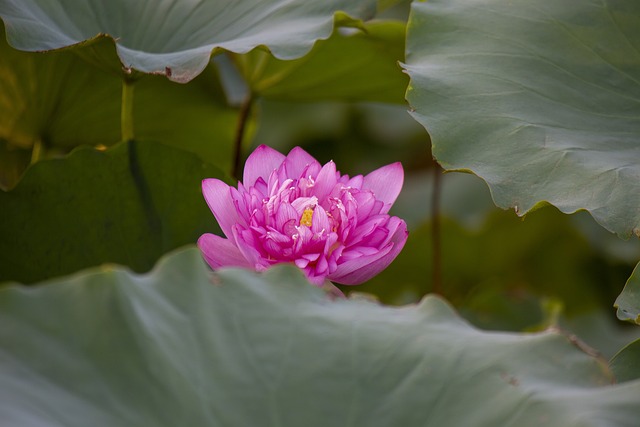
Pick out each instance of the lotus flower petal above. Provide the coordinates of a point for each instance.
(363, 268)
(299, 160)
(385, 183)
(217, 194)
(292, 209)
(260, 164)
(220, 252)
(325, 181)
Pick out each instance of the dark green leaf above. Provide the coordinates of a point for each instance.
(13, 161)
(544, 256)
(56, 100)
(351, 65)
(192, 116)
(129, 204)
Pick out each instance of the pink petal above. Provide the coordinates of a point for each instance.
(297, 161)
(367, 227)
(393, 225)
(285, 213)
(260, 164)
(315, 280)
(320, 220)
(302, 203)
(219, 252)
(386, 183)
(259, 188)
(272, 246)
(361, 269)
(311, 257)
(368, 205)
(355, 182)
(301, 262)
(276, 236)
(325, 181)
(218, 197)
(303, 239)
(322, 266)
(247, 244)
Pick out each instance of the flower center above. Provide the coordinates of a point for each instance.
(306, 217)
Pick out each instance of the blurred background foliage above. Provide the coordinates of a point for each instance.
(69, 182)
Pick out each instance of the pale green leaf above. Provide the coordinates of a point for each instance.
(628, 302)
(541, 99)
(176, 38)
(626, 363)
(181, 346)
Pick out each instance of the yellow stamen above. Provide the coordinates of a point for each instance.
(306, 217)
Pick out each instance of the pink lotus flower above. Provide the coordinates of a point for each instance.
(292, 209)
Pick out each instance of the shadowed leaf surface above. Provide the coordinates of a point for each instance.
(355, 65)
(129, 204)
(56, 101)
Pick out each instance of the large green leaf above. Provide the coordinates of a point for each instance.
(183, 347)
(361, 65)
(176, 38)
(129, 204)
(13, 161)
(628, 303)
(541, 99)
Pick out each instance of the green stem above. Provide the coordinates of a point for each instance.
(436, 242)
(126, 112)
(243, 119)
(37, 151)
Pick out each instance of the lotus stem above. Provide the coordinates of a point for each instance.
(126, 112)
(436, 242)
(243, 118)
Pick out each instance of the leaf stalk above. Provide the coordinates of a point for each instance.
(243, 118)
(436, 229)
(126, 112)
